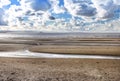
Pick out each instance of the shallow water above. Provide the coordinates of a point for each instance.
(28, 54)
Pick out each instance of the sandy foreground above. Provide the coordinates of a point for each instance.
(14, 69)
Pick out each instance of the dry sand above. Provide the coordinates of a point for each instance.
(13, 69)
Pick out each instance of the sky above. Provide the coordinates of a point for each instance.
(60, 15)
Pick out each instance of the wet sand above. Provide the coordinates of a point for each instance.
(84, 50)
(14, 69)
(61, 43)
(88, 46)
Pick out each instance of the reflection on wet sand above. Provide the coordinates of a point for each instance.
(63, 43)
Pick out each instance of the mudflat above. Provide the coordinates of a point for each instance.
(92, 46)
(61, 43)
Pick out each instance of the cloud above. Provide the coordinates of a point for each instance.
(18, 15)
(117, 2)
(56, 8)
(106, 8)
(4, 3)
(13, 14)
(36, 5)
(92, 8)
(71, 15)
(51, 17)
(2, 21)
(79, 8)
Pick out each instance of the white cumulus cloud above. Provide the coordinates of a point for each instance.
(68, 15)
(56, 8)
(4, 3)
(18, 15)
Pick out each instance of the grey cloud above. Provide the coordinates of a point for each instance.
(100, 9)
(79, 8)
(106, 8)
(85, 10)
(51, 18)
(2, 22)
(40, 5)
(36, 5)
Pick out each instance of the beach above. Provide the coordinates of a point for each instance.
(42, 57)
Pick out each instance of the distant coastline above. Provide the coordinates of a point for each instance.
(39, 34)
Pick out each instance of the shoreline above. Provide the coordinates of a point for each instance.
(27, 54)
